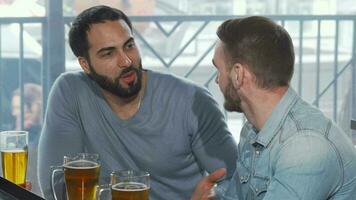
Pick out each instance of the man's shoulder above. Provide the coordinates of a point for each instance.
(71, 84)
(71, 76)
(71, 79)
(305, 117)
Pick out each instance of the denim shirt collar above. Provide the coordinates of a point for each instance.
(274, 121)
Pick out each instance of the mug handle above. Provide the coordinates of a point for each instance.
(101, 189)
(54, 170)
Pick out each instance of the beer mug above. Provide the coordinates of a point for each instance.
(81, 176)
(14, 156)
(128, 185)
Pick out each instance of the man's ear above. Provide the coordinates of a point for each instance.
(84, 64)
(237, 75)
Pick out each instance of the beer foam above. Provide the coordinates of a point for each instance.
(130, 187)
(13, 151)
(81, 164)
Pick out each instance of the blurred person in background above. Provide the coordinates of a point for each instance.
(345, 115)
(32, 99)
(32, 110)
(21, 8)
(130, 7)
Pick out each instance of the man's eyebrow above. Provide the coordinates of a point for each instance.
(131, 39)
(105, 49)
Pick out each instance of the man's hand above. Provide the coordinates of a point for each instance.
(204, 189)
(28, 185)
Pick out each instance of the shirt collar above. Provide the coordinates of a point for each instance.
(277, 117)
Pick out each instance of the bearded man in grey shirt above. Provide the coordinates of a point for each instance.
(133, 118)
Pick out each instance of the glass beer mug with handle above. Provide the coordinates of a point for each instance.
(81, 176)
(14, 156)
(128, 185)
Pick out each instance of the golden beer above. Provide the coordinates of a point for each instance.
(129, 191)
(14, 165)
(81, 179)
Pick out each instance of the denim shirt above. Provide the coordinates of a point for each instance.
(298, 154)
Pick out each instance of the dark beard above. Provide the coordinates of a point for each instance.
(232, 100)
(114, 86)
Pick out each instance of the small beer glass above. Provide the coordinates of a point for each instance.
(128, 185)
(81, 176)
(14, 156)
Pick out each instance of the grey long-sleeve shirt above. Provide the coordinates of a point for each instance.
(176, 135)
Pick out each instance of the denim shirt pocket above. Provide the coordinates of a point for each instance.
(240, 187)
(259, 185)
(243, 172)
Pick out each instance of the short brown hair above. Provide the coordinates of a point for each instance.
(263, 45)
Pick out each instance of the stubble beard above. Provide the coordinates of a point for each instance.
(232, 100)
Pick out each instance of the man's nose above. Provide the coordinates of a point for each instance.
(217, 78)
(123, 60)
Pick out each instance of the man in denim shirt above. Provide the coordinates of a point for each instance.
(288, 148)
